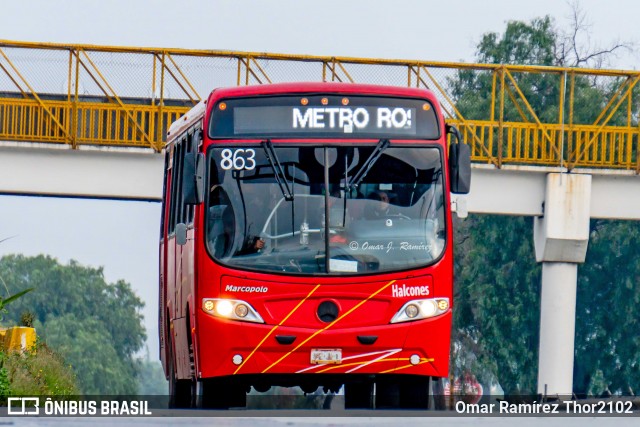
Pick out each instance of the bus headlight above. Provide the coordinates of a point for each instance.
(421, 309)
(241, 310)
(231, 309)
(428, 308)
(411, 311)
(224, 308)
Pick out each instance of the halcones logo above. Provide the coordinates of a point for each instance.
(398, 291)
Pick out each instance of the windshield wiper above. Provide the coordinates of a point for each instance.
(278, 170)
(366, 166)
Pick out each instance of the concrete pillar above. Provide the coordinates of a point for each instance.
(561, 237)
(557, 328)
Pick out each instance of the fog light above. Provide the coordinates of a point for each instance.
(224, 308)
(414, 359)
(237, 359)
(241, 310)
(411, 311)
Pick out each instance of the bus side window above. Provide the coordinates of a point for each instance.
(164, 194)
(174, 185)
(176, 214)
(189, 147)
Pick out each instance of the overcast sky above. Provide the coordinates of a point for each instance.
(123, 236)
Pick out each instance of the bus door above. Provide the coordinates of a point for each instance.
(177, 261)
(186, 253)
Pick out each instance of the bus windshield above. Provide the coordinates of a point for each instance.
(296, 208)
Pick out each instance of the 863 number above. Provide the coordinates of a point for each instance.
(238, 159)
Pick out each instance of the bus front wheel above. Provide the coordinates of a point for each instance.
(402, 391)
(221, 393)
(180, 391)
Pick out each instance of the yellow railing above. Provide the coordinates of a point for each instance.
(525, 143)
(87, 123)
(509, 114)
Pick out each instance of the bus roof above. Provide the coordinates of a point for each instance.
(186, 120)
(321, 87)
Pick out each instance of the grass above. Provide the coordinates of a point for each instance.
(36, 373)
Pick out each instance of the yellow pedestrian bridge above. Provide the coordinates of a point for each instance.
(83, 95)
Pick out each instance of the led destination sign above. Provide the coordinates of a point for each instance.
(329, 119)
(328, 116)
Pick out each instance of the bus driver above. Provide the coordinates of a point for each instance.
(222, 233)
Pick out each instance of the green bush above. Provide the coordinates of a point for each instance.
(37, 373)
(97, 327)
(5, 389)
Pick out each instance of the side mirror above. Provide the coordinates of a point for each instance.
(459, 163)
(181, 233)
(193, 178)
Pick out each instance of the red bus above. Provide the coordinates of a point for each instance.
(307, 241)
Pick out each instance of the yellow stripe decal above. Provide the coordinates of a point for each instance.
(395, 359)
(330, 324)
(276, 327)
(407, 366)
(384, 356)
(346, 365)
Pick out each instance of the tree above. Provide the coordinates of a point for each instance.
(522, 43)
(152, 380)
(497, 300)
(496, 318)
(574, 47)
(534, 43)
(97, 327)
(607, 312)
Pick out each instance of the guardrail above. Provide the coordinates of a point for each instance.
(509, 114)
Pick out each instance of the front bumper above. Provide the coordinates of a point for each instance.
(228, 347)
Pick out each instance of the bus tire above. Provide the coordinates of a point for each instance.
(387, 392)
(221, 393)
(358, 395)
(180, 391)
(414, 392)
(402, 392)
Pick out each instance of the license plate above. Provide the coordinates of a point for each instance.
(326, 357)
